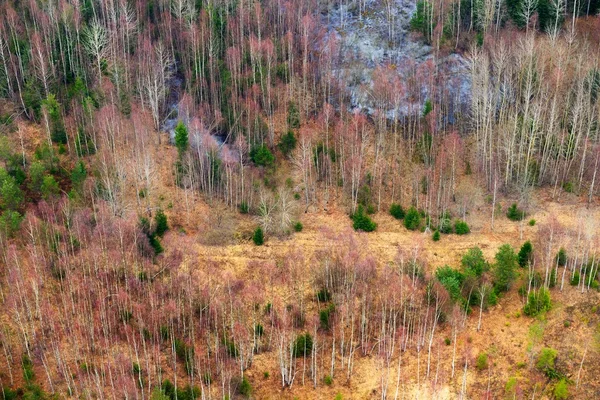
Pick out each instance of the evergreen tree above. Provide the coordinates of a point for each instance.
(505, 268)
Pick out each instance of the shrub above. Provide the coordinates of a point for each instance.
(181, 137)
(298, 226)
(474, 262)
(259, 330)
(436, 236)
(537, 302)
(545, 361)
(243, 207)
(155, 243)
(461, 227)
(258, 238)
(561, 257)
(323, 295)
(514, 214)
(532, 222)
(361, 221)
(303, 345)
(447, 341)
(287, 143)
(451, 279)
(160, 219)
(575, 279)
(328, 380)
(324, 316)
(412, 219)
(482, 361)
(28, 374)
(421, 21)
(245, 388)
(504, 270)
(10, 222)
(445, 225)
(262, 156)
(266, 374)
(561, 390)
(397, 211)
(525, 254)
(11, 194)
(49, 187)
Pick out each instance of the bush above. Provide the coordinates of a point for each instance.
(436, 236)
(504, 270)
(546, 360)
(482, 361)
(287, 143)
(561, 390)
(445, 225)
(298, 226)
(561, 257)
(452, 280)
(245, 388)
(303, 345)
(160, 219)
(361, 221)
(514, 214)
(10, 222)
(525, 254)
(243, 207)
(474, 262)
(397, 211)
(412, 219)
(181, 138)
(293, 118)
(532, 222)
(537, 302)
(575, 279)
(49, 187)
(421, 20)
(323, 295)
(461, 227)
(262, 156)
(258, 237)
(324, 316)
(328, 380)
(11, 194)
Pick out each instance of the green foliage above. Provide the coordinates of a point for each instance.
(10, 192)
(482, 361)
(546, 360)
(243, 207)
(185, 354)
(561, 390)
(361, 221)
(303, 345)
(37, 170)
(258, 237)
(58, 134)
(78, 175)
(323, 295)
(473, 262)
(49, 187)
(428, 107)
(84, 145)
(525, 254)
(397, 211)
(561, 257)
(575, 279)
(445, 225)
(287, 143)
(505, 268)
(532, 222)
(461, 227)
(298, 226)
(10, 221)
(325, 315)
(155, 243)
(181, 137)
(537, 302)
(452, 280)
(262, 156)
(245, 388)
(422, 20)
(436, 236)
(27, 365)
(293, 118)
(412, 219)
(328, 380)
(161, 224)
(514, 213)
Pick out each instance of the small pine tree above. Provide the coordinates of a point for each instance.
(262, 156)
(436, 236)
(160, 220)
(49, 187)
(514, 213)
(537, 302)
(287, 143)
(525, 254)
(258, 238)
(181, 137)
(397, 211)
(561, 257)
(412, 219)
(361, 221)
(505, 268)
(293, 118)
(461, 228)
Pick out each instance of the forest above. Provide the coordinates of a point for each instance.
(299, 199)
